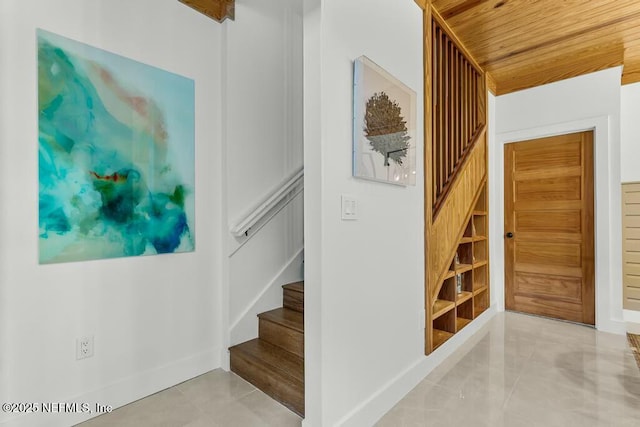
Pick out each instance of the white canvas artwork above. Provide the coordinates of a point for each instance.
(384, 126)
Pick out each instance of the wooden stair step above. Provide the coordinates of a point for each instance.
(275, 371)
(293, 296)
(286, 317)
(284, 328)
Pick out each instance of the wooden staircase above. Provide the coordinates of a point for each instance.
(274, 362)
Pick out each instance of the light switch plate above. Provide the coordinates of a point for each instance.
(349, 208)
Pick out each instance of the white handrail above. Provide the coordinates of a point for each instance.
(290, 187)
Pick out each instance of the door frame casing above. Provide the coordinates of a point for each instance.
(607, 215)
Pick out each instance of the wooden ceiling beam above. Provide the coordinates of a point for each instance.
(215, 9)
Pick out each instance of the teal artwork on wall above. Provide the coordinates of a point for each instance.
(116, 155)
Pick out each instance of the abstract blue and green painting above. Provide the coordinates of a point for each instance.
(116, 155)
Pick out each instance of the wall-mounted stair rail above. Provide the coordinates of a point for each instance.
(279, 197)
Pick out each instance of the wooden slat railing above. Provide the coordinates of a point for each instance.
(459, 105)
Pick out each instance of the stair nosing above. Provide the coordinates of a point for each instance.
(289, 287)
(267, 316)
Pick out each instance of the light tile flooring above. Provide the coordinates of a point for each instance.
(517, 371)
(215, 399)
(527, 371)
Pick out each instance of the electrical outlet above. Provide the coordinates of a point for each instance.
(84, 347)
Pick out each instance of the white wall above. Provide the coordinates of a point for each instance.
(630, 132)
(496, 286)
(262, 143)
(263, 106)
(587, 102)
(630, 153)
(155, 319)
(364, 279)
(313, 231)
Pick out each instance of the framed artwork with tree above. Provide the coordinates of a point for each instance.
(384, 126)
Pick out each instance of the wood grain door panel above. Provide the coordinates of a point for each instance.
(553, 157)
(557, 188)
(549, 307)
(548, 285)
(549, 209)
(559, 221)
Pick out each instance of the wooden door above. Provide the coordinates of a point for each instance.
(549, 244)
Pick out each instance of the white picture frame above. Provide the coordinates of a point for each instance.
(384, 126)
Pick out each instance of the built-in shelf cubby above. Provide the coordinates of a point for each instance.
(464, 294)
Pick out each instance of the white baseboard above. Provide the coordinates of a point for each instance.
(379, 403)
(125, 391)
(612, 326)
(225, 359)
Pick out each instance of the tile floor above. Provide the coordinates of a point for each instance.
(527, 371)
(215, 399)
(517, 371)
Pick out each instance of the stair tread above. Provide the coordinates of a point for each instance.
(296, 287)
(273, 358)
(286, 317)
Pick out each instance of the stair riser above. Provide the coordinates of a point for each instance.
(293, 300)
(283, 337)
(286, 390)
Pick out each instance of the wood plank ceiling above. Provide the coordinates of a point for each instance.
(527, 43)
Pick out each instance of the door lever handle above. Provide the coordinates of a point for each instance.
(509, 235)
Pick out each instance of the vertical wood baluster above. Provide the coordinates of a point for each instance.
(434, 114)
(455, 150)
(460, 102)
(474, 94)
(442, 141)
(472, 77)
(470, 106)
(436, 162)
(465, 106)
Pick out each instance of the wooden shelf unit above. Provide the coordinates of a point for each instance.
(454, 310)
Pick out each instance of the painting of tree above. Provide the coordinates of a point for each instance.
(385, 140)
(385, 128)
